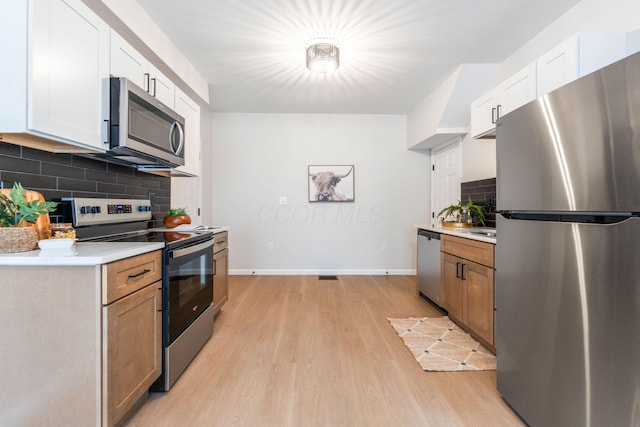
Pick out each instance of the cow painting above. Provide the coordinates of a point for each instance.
(325, 179)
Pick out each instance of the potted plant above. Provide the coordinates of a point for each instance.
(175, 217)
(462, 214)
(19, 211)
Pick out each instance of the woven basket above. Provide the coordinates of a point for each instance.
(17, 239)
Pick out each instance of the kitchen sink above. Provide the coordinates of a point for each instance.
(488, 232)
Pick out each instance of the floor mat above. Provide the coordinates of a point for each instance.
(438, 344)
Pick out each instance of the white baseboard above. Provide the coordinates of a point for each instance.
(293, 272)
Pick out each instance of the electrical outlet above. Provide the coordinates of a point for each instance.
(283, 200)
(490, 203)
(270, 246)
(383, 246)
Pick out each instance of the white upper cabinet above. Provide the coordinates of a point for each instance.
(517, 90)
(190, 110)
(161, 87)
(128, 62)
(56, 68)
(484, 113)
(577, 56)
(512, 93)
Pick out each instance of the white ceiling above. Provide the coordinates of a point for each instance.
(393, 53)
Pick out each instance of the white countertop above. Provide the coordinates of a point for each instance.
(84, 253)
(460, 232)
(185, 228)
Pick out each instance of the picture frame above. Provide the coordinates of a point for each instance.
(331, 183)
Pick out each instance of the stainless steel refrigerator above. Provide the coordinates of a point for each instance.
(568, 253)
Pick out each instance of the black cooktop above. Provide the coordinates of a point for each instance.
(171, 239)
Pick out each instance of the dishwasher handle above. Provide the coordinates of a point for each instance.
(429, 234)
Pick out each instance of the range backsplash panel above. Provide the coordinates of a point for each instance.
(483, 193)
(67, 175)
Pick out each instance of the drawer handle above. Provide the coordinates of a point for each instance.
(143, 272)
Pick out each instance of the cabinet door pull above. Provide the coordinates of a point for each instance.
(154, 87)
(457, 270)
(462, 272)
(493, 115)
(143, 272)
(107, 132)
(498, 112)
(147, 87)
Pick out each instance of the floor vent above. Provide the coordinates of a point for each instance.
(327, 277)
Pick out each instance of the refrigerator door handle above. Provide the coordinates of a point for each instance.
(599, 218)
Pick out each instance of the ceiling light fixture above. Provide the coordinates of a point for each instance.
(323, 57)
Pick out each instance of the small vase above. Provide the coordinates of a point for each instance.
(17, 239)
(174, 221)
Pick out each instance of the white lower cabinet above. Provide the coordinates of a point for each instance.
(56, 66)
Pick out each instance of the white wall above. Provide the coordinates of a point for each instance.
(257, 158)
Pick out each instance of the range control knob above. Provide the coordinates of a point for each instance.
(85, 209)
(144, 208)
(95, 209)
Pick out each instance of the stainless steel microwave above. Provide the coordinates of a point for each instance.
(142, 130)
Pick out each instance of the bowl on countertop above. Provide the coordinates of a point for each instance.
(56, 244)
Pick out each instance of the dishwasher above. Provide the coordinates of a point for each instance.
(429, 264)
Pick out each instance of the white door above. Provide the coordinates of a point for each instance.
(446, 169)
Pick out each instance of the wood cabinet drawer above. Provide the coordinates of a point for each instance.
(473, 250)
(120, 278)
(220, 241)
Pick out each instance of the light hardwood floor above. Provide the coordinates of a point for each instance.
(298, 351)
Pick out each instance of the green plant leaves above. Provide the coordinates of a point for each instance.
(456, 211)
(177, 212)
(15, 210)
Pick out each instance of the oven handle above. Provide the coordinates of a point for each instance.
(177, 253)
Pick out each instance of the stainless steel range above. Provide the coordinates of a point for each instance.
(187, 276)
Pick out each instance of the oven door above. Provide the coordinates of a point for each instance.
(188, 286)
